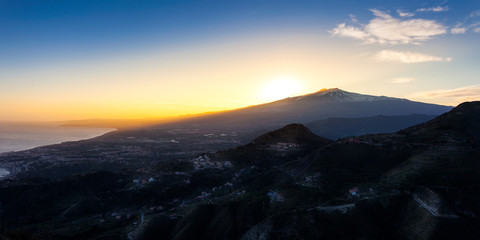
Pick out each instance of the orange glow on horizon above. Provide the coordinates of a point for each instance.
(219, 76)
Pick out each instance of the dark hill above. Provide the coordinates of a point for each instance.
(292, 133)
(462, 124)
(334, 128)
(275, 148)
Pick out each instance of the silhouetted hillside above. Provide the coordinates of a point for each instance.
(273, 148)
(462, 123)
(334, 128)
(292, 133)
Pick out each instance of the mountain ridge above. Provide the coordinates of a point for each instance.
(339, 94)
(305, 109)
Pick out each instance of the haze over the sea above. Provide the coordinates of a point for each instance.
(23, 136)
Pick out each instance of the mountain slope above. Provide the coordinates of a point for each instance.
(327, 103)
(462, 124)
(404, 185)
(334, 128)
(420, 148)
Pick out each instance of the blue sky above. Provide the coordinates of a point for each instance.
(54, 30)
(54, 52)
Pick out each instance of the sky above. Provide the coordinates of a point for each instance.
(83, 59)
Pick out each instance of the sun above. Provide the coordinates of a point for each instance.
(280, 88)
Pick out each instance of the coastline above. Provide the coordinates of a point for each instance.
(20, 137)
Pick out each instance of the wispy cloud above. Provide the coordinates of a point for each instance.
(474, 14)
(457, 95)
(407, 57)
(458, 30)
(404, 14)
(401, 80)
(433, 9)
(354, 18)
(470, 23)
(385, 29)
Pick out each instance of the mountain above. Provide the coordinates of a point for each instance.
(326, 103)
(334, 128)
(312, 110)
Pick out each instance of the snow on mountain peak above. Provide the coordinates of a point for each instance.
(336, 94)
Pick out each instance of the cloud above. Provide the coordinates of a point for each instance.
(354, 18)
(475, 27)
(458, 95)
(401, 80)
(458, 29)
(468, 24)
(380, 14)
(433, 9)
(348, 31)
(474, 14)
(385, 29)
(407, 57)
(404, 14)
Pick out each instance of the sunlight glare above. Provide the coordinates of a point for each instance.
(280, 88)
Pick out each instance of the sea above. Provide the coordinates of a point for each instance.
(23, 136)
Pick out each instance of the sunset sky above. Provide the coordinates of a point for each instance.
(83, 59)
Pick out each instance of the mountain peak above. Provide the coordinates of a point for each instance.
(324, 90)
(339, 95)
